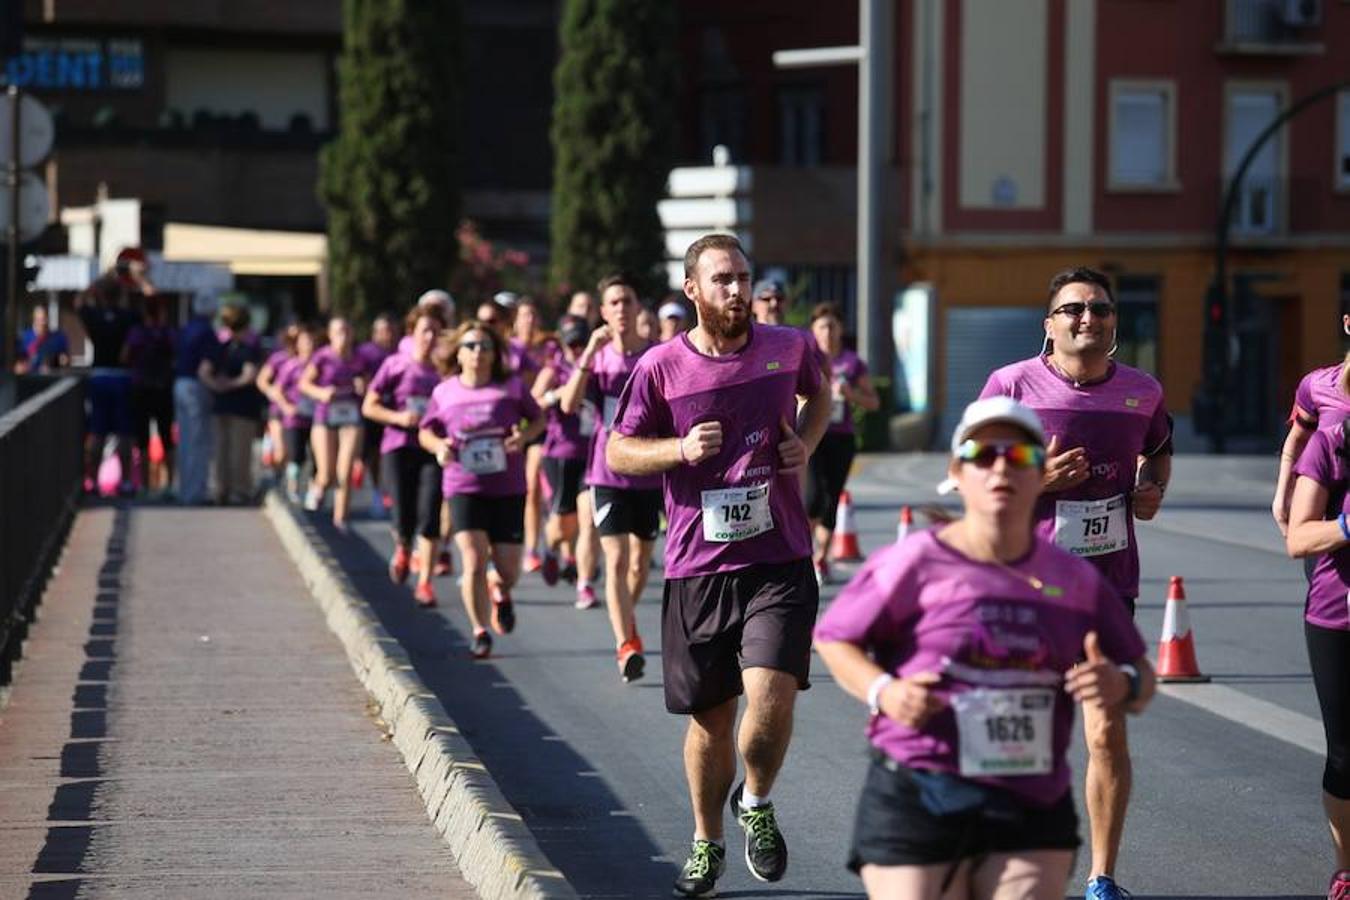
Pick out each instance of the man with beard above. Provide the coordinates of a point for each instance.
(626, 507)
(713, 410)
(1109, 461)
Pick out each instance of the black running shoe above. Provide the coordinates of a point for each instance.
(765, 850)
(701, 870)
(482, 645)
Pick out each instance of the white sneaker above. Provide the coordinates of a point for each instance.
(313, 499)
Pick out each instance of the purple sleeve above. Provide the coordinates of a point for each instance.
(1303, 398)
(868, 604)
(1317, 460)
(811, 372)
(1158, 440)
(857, 370)
(1116, 631)
(994, 388)
(642, 411)
(381, 383)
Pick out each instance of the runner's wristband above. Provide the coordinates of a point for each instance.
(874, 692)
(1132, 675)
(1345, 526)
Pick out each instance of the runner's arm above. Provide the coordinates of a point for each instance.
(629, 455)
(312, 390)
(862, 393)
(908, 700)
(373, 409)
(1292, 449)
(815, 417)
(1309, 533)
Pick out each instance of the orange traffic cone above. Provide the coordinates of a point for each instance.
(844, 544)
(1176, 648)
(906, 524)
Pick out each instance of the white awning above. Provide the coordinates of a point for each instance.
(247, 251)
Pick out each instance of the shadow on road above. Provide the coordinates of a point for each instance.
(580, 824)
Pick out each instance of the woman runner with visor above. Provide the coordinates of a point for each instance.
(477, 424)
(969, 645)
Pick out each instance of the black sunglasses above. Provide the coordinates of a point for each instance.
(476, 345)
(1099, 309)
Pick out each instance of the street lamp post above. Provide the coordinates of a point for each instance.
(873, 58)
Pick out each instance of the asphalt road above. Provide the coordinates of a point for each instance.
(1227, 777)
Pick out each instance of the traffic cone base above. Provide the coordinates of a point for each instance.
(1176, 647)
(844, 543)
(905, 525)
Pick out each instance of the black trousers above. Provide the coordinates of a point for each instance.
(411, 476)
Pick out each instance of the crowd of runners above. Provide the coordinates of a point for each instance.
(567, 451)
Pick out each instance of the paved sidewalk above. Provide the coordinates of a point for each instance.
(185, 725)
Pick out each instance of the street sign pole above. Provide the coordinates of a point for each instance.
(12, 273)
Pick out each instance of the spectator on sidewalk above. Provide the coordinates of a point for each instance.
(238, 408)
(149, 355)
(196, 353)
(108, 310)
(41, 349)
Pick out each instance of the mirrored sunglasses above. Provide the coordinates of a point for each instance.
(1099, 309)
(1020, 455)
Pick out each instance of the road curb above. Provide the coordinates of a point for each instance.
(495, 851)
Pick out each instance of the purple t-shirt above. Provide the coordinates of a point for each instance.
(274, 364)
(1319, 394)
(402, 383)
(373, 355)
(922, 606)
(568, 436)
(520, 358)
(287, 377)
(733, 509)
(846, 368)
(610, 371)
(1329, 586)
(405, 345)
(1117, 421)
(478, 420)
(341, 373)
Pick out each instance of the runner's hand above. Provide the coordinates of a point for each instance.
(1096, 679)
(409, 419)
(702, 441)
(1146, 499)
(599, 337)
(1064, 470)
(791, 450)
(1280, 510)
(910, 701)
(514, 443)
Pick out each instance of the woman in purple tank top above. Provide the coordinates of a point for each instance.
(267, 383)
(335, 379)
(970, 645)
(1321, 401)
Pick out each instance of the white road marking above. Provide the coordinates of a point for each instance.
(1259, 715)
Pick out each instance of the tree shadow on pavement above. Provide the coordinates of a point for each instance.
(579, 822)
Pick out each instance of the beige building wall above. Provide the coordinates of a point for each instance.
(1080, 79)
(1003, 99)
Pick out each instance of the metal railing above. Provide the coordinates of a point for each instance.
(41, 462)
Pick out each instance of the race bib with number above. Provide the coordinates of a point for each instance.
(416, 404)
(734, 514)
(1092, 527)
(587, 417)
(1005, 731)
(483, 456)
(304, 407)
(343, 412)
(611, 410)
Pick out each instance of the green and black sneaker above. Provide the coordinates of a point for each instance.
(765, 850)
(701, 870)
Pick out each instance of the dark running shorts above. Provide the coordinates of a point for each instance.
(713, 626)
(503, 518)
(564, 483)
(627, 511)
(894, 827)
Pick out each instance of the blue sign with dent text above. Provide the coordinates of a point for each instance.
(78, 64)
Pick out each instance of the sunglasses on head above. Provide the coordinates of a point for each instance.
(1099, 309)
(476, 345)
(1019, 454)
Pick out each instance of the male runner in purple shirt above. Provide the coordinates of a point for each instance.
(1109, 461)
(713, 410)
(626, 508)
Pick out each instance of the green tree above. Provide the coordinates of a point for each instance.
(390, 180)
(613, 131)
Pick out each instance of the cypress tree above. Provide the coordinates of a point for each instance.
(390, 180)
(613, 131)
